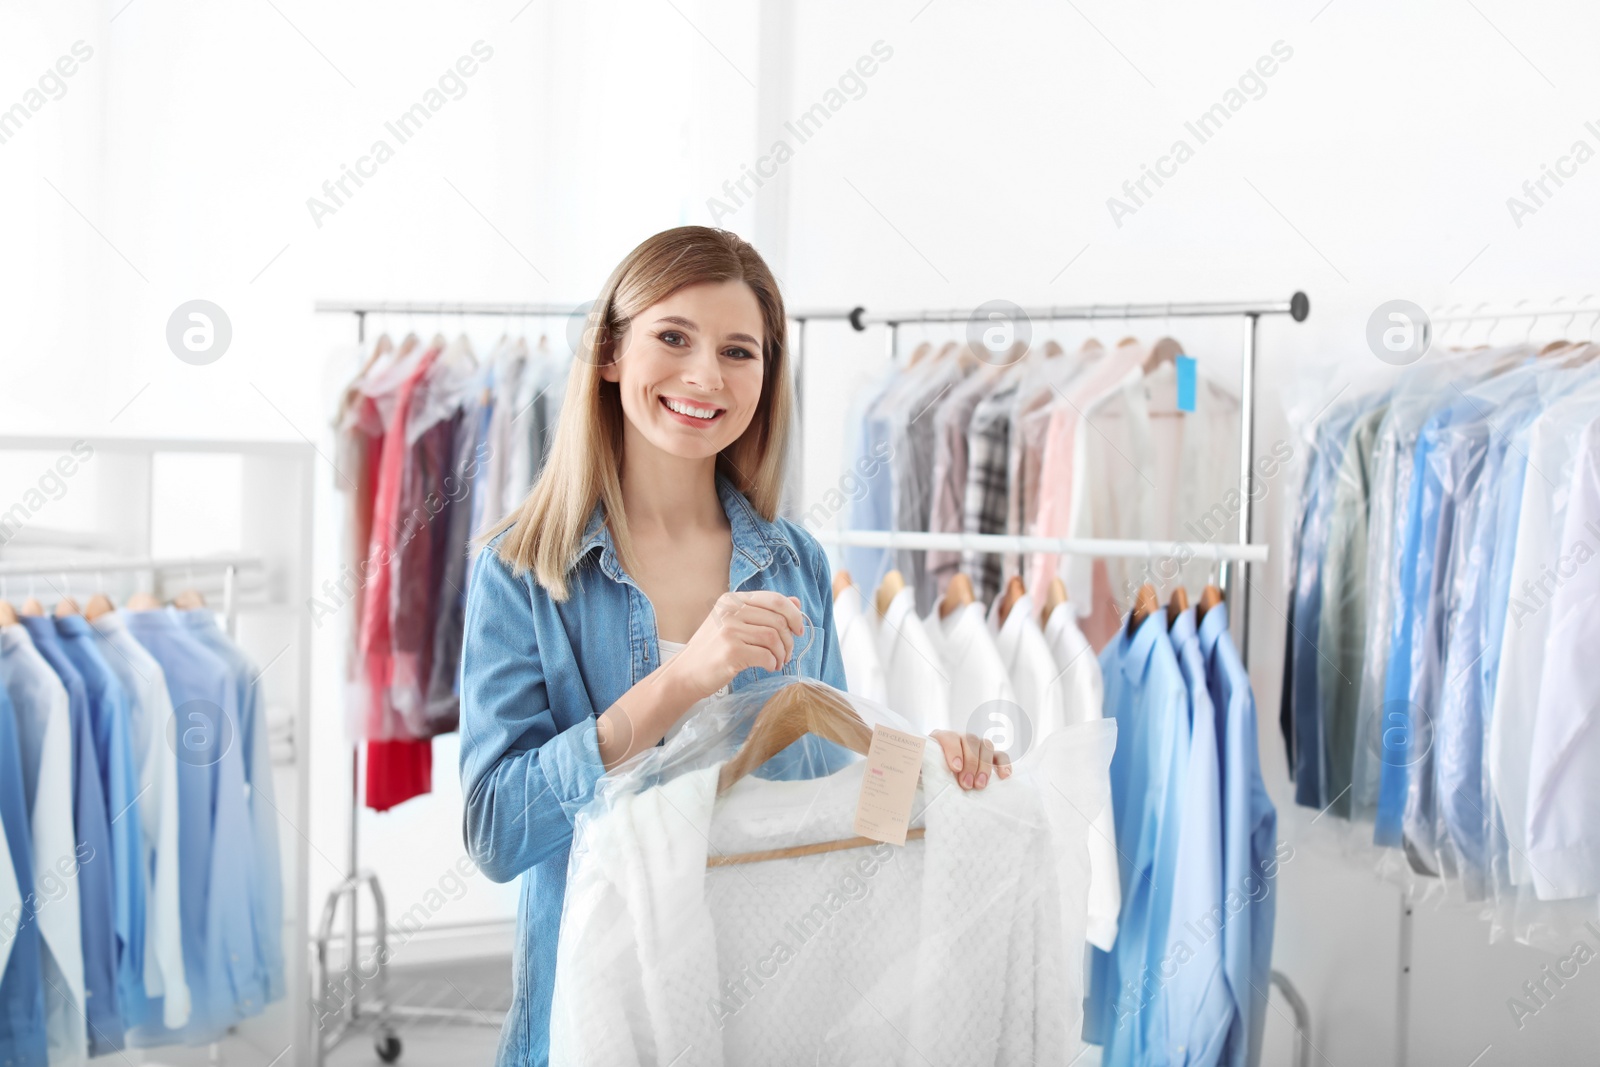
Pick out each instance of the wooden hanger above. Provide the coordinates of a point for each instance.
(66, 606)
(1052, 350)
(800, 708)
(841, 582)
(98, 605)
(143, 602)
(188, 600)
(8, 614)
(918, 353)
(888, 589)
(1177, 605)
(958, 594)
(31, 606)
(1165, 350)
(1210, 597)
(1052, 600)
(1015, 591)
(1145, 604)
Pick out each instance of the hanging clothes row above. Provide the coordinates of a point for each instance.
(996, 672)
(434, 446)
(1186, 981)
(1435, 680)
(1126, 442)
(141, 893)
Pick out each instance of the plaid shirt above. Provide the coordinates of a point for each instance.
(984, 509)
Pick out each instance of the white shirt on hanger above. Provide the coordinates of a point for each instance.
(1563, 801)
(917, 679)
(858, 647)
(151, 711)
(1552, 447)
(44, 728)
(978, 677)
(1082, 690)
(1030, 664)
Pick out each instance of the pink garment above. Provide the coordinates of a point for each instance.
(383, 722)
(1058, 475)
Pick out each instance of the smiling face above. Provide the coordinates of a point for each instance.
(690, 370)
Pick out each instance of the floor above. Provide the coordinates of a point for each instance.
(479, 988)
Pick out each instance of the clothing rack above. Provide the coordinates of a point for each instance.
(269, 579)
(1239, 556)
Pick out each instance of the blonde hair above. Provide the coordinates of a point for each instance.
(585, 459)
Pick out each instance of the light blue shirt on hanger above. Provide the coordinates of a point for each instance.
(216, 863)
(1249, 835)
(266, 897)
(1145, 692)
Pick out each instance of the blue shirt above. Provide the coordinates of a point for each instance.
(109, 715)
(22, 1034)
(96, 874)
(872, 490)
(1199, 1006)
(215, 858)
(1301, 719)
(535, 676)
(1249, 836)
(1146, 694)
(266, 892)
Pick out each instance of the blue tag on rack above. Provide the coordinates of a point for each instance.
(1186, 382)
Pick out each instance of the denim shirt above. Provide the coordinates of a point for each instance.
(535, 676)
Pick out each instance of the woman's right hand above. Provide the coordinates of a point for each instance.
(743, 630)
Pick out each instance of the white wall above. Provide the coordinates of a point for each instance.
(976, 165)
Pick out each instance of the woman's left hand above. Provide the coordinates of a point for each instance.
(972, 759)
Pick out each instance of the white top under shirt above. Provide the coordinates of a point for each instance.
(668, 650)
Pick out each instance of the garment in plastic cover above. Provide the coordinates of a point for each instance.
(963, 946)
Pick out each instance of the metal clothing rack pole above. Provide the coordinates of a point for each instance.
(800, 318)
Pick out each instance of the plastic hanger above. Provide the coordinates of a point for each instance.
(804, 707)
(1015, 591)
(958, 594)
(891, 585)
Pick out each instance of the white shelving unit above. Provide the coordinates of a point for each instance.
(261, 584)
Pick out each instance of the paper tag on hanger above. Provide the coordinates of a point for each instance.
(1186, 382)
(894, 761)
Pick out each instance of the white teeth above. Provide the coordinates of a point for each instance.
(685, 409)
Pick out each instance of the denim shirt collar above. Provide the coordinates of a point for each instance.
(754, 537)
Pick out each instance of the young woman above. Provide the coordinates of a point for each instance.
(646, 571)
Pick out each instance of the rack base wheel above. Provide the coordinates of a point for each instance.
(388, 1047)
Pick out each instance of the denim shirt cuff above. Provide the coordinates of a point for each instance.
(572, 764)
